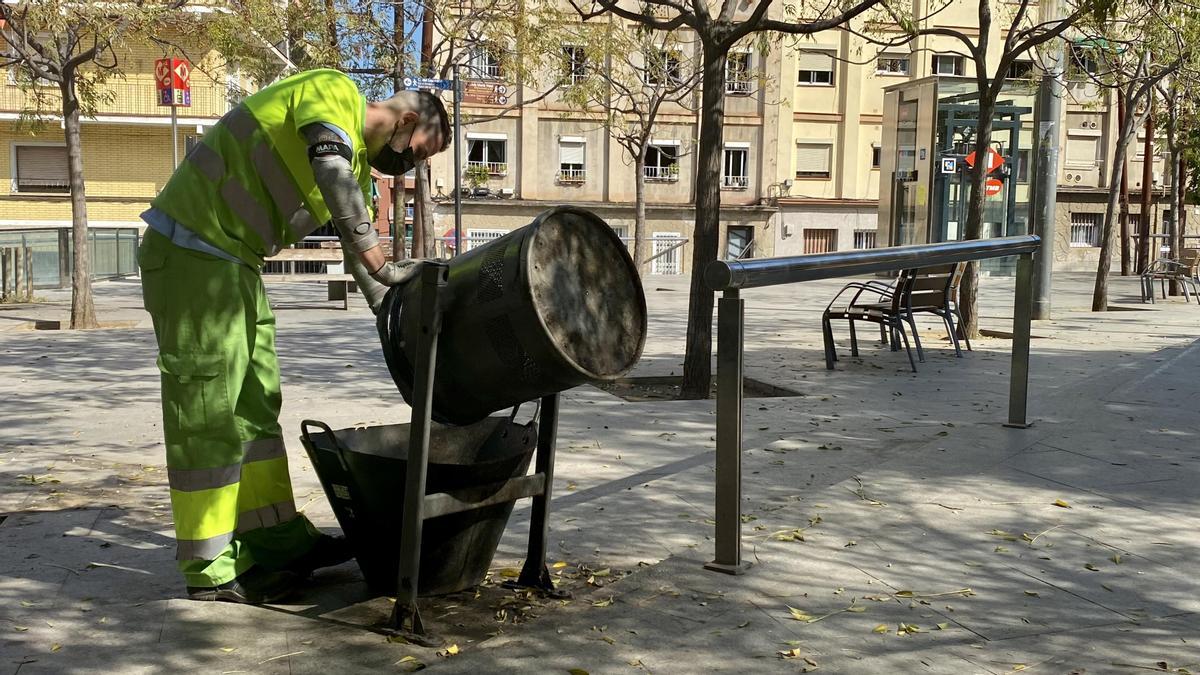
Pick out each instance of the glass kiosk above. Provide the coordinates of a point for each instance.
(928, 142)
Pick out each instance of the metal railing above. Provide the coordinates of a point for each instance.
(493, 168)
(572, 175)
(737, 86)
(669, 172)
(735, 182)
(730, 276)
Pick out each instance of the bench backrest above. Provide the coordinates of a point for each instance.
(1191, 261)
(930, 287)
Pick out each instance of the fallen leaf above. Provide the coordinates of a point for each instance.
(55, 647)
(228, 650)
(881, 628)
(1091, 567)
(448, 651)
(1019, 666)
(20, 629)
(510, 572)
(559, 565)
(577, 671)
(410, 664)
(790, 653)
(799, 614)
(1032, 594)
(1116, 558)
(603, 603)
(943, 626)
(1062, 504)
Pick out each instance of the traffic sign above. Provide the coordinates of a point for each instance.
(173, 80)
(426, 83)
(949, 165)
(995, 161)
(993, 186)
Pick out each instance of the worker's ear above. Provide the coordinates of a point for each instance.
(408, 118)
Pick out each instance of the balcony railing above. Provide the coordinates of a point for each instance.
(666, 174)
(735, 182)
(572, 176)
(737, 86)
(128, 98)
(492, 168)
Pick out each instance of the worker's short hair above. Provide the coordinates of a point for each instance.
(429, 108)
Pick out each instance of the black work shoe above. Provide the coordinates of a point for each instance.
(328, 551)
(254, 587)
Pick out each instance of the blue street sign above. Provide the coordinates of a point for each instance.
(426, 83)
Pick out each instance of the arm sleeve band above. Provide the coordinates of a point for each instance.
(339, 187)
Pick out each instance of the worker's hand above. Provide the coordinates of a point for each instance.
(395, 273)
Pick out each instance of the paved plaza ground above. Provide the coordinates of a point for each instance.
(908, 529)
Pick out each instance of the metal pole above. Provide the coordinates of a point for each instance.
(1048, 111)
(534, 573)
(174, 138)
(1018, 386)
(406, 618)
(731, 310)
(457, 164)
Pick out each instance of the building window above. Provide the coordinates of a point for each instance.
(737, 73)
(736, 175)
(812, 160)
(864, 239)
(947, 64)
(484, 63)
(574, 63)
(1083, 151)
(666, 253)
(892, 65)
(1019, 70)
(487, 155)
(662, 163)
(1082, 62)
(571, 154)
(876, 156)
(476, 238)
(816, 68)
(1024, 162)
(1085, 229)
(663, 67)
(820, 240)
(41, 168)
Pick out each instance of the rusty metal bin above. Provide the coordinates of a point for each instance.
(547, 307)
(362, 471)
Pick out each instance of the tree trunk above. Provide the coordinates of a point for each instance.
(1122, 113)
(83, 310)
(424, 237)
(697, 361)
(969, 290)
(640, 243)
(1104, 265)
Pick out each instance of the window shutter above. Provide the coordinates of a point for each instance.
(1082, 149)
(570, 153)
(42, 166)
(813, 157)
(816, 61)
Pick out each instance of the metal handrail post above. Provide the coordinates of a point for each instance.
(1018, 385)
(731, 314)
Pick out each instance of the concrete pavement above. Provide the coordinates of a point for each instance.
(908, 529)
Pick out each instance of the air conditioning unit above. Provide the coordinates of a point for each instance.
(506, 192)
(1156, 178)
(439, 184)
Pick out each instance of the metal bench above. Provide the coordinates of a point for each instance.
(1186, 272)
(340, 285)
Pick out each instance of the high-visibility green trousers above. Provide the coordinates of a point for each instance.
(230, 490)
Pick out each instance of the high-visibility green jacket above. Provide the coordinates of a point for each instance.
(247, 187)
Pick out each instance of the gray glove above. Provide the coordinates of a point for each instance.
(374, 287)
(396, 273)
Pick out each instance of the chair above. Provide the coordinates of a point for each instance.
(1185, 271)
(888, 311)
(935, 291)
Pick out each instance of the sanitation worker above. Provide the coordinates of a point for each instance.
(294, 156)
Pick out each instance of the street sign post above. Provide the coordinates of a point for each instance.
(426, 83)
(485, 93)
(173, 81)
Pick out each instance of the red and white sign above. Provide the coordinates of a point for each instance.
(995, 161)
(173, 80)
(993, 186)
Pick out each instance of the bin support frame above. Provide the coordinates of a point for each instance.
(418, 507)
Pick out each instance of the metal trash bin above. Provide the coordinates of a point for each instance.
(547, 307)
(363, 469)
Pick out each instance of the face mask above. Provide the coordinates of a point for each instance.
(394, 163)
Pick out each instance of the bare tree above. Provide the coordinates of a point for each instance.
(63, 53)
(717, 29)
(640, 74)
